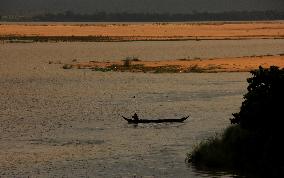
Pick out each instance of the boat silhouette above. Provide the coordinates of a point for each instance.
(136, 121)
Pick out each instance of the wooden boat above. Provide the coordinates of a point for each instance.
(132, 121)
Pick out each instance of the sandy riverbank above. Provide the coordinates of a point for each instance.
(238, 64)
(130, 32)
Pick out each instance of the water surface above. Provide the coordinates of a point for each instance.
(144, 50)
(56, 122)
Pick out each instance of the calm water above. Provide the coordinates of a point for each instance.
(56, 122)
(157, 50)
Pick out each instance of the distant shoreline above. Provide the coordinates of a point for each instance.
(31, 39)
(134, 22)
(103, 16)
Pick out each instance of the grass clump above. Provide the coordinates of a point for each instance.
(166, 69)
(128, 60)
(67, 66)
(220, 150)
(101, 69)
(195, 69)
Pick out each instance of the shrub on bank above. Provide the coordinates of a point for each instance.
(254, 142)
(67, 66)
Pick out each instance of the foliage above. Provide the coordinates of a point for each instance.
(262, 110)
(253, 143)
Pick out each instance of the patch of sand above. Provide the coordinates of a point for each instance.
(169, 31)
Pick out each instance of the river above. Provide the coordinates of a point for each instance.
(56, 122)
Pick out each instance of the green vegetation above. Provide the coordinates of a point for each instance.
(253, 143)
(127, 66)
(101, 69)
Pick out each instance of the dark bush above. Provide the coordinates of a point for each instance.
(262, 110)
(254, 142)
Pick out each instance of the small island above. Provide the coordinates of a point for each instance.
(133, 64)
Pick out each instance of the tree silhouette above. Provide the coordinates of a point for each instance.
(254, 143)
(262, 110)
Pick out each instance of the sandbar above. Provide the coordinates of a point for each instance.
(135, 32)
(234, 64)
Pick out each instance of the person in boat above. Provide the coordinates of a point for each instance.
(135, 117)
